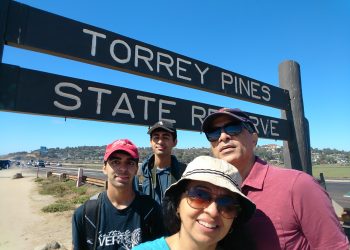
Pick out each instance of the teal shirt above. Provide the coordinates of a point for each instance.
(159, 244)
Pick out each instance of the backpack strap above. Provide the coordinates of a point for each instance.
(147, 210)
(151, 175)
(176, 172)
(153, 182)
(144, 212)
(91, 220)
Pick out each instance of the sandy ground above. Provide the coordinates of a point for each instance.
(23, 225)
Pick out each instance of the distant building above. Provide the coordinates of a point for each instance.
(43, 151)
(271, 147)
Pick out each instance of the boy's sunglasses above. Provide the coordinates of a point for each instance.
(230, 129)
(199, 198)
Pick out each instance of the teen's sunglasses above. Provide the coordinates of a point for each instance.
(200, 198)
(230, 129)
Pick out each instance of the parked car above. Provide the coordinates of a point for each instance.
(40, 164)
(5, 164)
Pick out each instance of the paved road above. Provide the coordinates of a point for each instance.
(337, 190)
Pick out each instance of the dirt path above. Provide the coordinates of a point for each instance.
(22, 224)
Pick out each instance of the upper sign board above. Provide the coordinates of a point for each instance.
(37, 30)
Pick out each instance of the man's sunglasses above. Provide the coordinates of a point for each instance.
(199, 198)
(230, 129)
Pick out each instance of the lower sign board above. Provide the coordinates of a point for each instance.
(29, 91)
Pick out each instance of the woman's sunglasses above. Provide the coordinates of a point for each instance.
(199, 198)
(230, 129)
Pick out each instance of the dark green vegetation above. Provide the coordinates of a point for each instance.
(94, 154)
(67, 194)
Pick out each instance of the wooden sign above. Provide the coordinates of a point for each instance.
(30, 91)
(37, 30)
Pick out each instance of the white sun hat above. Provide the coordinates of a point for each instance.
(219, 173)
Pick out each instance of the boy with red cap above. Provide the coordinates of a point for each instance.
(120, 218)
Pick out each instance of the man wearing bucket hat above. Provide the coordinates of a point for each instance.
(293, 210)
(203, 207)
(161, 168)
(120, 218)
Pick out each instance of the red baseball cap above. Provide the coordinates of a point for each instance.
(122, 145)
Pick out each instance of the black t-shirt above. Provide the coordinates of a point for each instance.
(119, 228)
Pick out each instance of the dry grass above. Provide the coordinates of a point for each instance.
(67, 194)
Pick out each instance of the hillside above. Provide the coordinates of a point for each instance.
(94, 154)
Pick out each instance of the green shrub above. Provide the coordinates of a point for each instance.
(59, 206)
(80, 190)
(39, 180)
(54, 188)
(69, 194)
(80, 199)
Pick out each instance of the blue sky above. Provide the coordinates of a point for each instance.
(247, 37)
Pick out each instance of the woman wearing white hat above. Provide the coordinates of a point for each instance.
(203, 206)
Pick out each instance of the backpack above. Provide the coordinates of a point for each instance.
(91, 219)
(175, 172)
